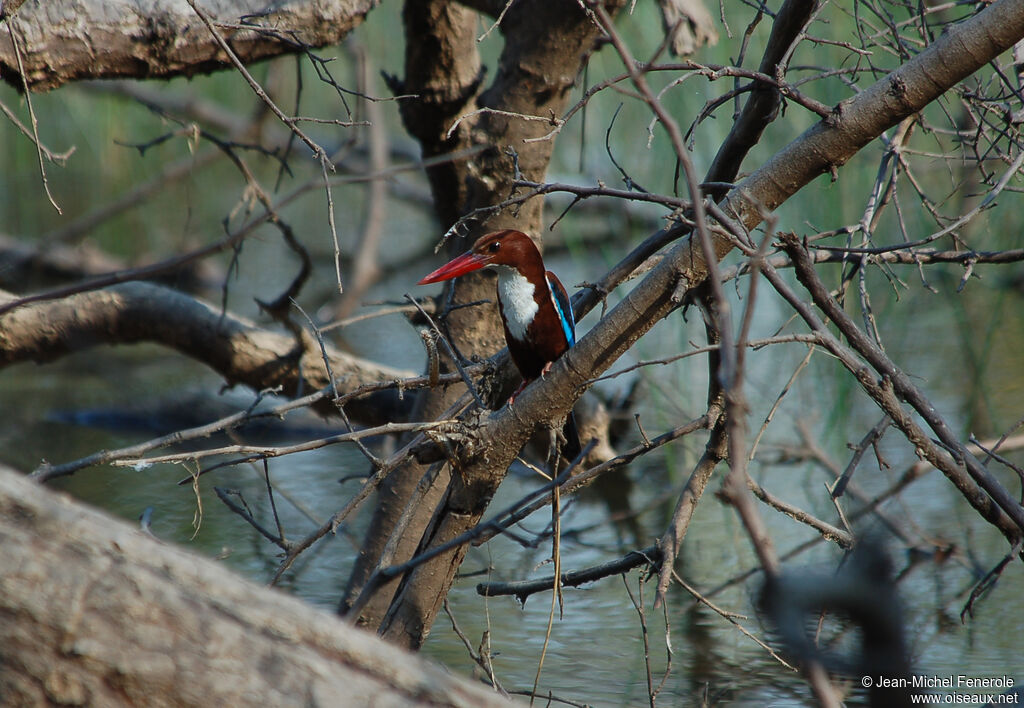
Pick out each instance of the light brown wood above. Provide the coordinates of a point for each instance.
(71, 40)
(93, 612)
(238, 349)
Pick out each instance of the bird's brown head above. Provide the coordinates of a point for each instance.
(508, 247)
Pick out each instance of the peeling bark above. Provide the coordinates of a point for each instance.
(71, 40)
(688, 25)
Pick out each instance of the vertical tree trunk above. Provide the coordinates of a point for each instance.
(442, 68)
(546, 46)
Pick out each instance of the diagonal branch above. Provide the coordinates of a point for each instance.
(239, 350)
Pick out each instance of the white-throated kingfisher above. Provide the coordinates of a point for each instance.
(535, 308)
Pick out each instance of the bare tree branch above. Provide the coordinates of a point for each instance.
(72, 40)
(239, 350)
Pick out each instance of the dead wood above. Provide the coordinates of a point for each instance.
(93, 612)
(241, 351)
(72, 40)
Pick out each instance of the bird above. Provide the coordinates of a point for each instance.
(535, 309)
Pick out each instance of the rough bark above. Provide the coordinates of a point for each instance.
(71, 40)
(442, 68)
(239, 350)
(93, 612)
(856, 122)
(546, 46)
(443, 71)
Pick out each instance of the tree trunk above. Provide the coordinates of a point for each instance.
(443, 68)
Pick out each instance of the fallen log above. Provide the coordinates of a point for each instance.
(94, 612)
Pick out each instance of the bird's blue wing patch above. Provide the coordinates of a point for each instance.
(563, 306)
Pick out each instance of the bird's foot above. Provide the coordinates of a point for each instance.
(525, 383)
(512, 398)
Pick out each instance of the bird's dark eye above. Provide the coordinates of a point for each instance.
(494, 247)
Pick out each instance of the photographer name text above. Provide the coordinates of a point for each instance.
(959, 681)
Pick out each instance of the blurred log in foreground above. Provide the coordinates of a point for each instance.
(93, 612)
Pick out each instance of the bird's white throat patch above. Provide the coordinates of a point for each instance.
(516, 294)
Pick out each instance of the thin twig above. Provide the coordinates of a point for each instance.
(264, 451)
(31, 113)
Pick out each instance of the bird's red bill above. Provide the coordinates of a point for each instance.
(466, 263)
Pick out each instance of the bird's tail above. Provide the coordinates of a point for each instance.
(572, 438)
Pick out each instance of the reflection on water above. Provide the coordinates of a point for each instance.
(596, 650)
